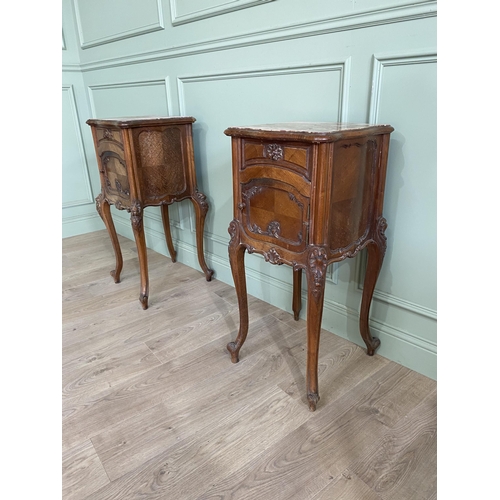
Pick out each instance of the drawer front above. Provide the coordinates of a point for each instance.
(161, 162)
(275, 212)
(113, 169)
(295, 157)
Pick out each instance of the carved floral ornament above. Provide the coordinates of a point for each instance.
(273, 257)
(233, 231)
(318, 261)
(273, 151)
(201, 199)
(136, 214)
(107, 134)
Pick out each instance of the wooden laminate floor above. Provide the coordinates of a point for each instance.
(153, 408)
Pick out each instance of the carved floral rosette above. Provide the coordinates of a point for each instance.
(273, 151)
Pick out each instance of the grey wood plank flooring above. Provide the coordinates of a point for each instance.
(153, 407)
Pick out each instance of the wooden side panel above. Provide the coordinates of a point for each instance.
(160, 162)
(354, 164)
(112, 166)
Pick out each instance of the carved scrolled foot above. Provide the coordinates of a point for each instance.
(115, 275)
(208, 274)
(312, 399)
(143, 299)
(372, 347)
(234, 350)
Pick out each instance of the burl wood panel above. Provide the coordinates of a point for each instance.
(160, 156)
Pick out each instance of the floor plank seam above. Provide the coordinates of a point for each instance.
(100, 460)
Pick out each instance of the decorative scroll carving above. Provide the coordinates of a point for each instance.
(107, 134)
(249, 193)
(98, 204)
(273, 257)
(105, 162)
(119, 188)
(201, 199)
(380, 238)
(233, 232)
(136, 215)
(273, 229)
(318, 262)
(273, 151)
(294, 199)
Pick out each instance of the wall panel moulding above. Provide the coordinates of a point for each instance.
(187, 11)
(116, 20)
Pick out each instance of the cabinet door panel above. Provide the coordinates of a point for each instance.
(160, 168)
(275, 212)
(116, 184)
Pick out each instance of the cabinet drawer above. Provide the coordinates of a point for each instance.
(291, 156)
(275, 212)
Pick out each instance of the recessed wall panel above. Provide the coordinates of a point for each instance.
(185, 11)
(221, 101)
(405, 97)
(75, 178)
(101, 22)
(129, 99)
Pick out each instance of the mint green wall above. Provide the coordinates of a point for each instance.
(246, 62)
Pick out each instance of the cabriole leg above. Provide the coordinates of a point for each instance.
(316, 277)
(201, 209)
(168, 234)
(376, 251)
(104, 211)
(140, 241)
(237, 261)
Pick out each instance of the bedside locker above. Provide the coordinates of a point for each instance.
(307, 195)
(147, 161)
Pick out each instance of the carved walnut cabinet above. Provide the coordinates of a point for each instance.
(307, 195)
(147, 161)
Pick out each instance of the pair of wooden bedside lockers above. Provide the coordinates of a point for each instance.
(304, 194)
